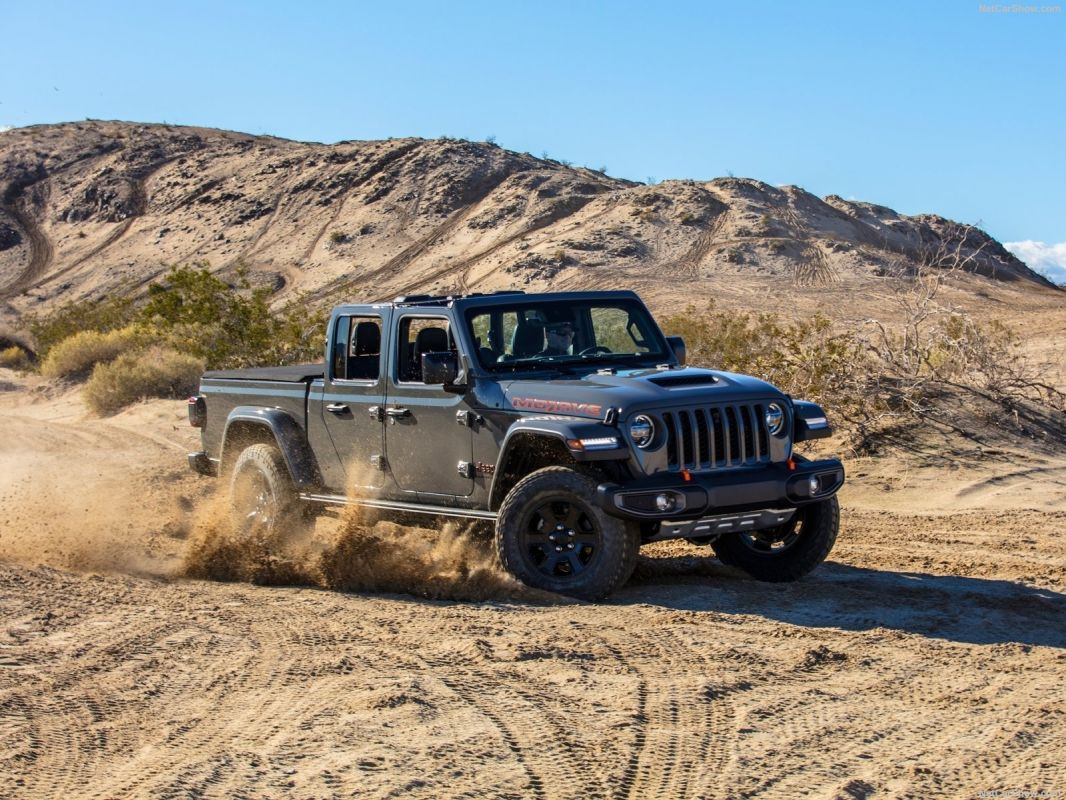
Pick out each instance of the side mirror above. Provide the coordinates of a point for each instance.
(677, 344)
(440, 368)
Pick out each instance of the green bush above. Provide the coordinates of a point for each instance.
(231, 326)
(76, 355)
(154, 372)
(190, 311)
(70, 318)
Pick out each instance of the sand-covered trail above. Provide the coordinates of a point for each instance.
(927, 658)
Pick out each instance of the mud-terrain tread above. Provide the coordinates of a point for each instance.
(799, 560)
(606, 578)
(271, 464)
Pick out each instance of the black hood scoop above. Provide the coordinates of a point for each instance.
(684, 380)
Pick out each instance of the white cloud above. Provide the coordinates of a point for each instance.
(4, 128)
(1047, 259)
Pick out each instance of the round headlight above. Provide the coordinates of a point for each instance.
(775, 418)
(642, 430)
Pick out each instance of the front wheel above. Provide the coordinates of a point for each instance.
(785, 552)
(551, 535)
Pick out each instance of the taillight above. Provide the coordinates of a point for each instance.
(197, 411)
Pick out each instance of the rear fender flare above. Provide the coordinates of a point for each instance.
(286, 434)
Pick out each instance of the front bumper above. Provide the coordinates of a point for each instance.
(774, 486)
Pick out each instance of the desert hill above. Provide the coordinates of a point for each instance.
(90, 208)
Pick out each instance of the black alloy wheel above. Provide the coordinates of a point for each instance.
(262, 497)
(775, 540)
(560, 538)
(550, 534)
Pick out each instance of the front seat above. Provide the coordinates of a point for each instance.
(428, 340)
(364, 361)
(527, 340)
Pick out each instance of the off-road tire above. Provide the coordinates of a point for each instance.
(262, 497)
(609, 545)
(816, 525)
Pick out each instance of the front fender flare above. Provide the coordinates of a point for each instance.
(287, 434)
(570, 432)
(811, 422)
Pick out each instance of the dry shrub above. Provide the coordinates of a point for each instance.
(810, 359)
(14, 357)
(75, 356)
(191, 310)
(155, 372)
(103, 315)
(882, 377)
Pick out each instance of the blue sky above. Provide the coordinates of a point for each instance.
(924, 107)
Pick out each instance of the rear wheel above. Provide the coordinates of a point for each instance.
(785, 552)
(550, 534)
(262, 497)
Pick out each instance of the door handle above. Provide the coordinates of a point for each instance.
(398, 412)
(337, 408)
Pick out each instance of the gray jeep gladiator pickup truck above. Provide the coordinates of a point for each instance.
(568, 420)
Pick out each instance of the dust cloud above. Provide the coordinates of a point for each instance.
(89, 496)
(354, 553)
(88, 513)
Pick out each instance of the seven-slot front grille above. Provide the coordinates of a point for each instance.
(717, 436)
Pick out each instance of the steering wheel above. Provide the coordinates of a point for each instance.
(596, 348)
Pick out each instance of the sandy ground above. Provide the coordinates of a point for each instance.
(926, 658)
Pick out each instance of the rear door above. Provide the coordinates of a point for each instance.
(424, 442)
(349, 406)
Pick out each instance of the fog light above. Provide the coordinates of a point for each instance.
(814, 486)
(665, 502)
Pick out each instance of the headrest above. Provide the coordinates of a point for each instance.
(432, 340)
(367, 339)
(527, 340)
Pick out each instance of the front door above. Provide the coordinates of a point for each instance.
(350, 406)
(424, 442)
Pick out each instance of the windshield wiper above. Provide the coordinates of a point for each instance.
(626, 359)
(518, 366)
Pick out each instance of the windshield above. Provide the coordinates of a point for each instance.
(604, 332)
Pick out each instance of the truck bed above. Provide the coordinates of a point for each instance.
(298, 373)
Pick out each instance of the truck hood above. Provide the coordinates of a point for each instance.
(632, 390)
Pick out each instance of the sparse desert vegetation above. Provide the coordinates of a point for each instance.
(923, 659)
(14, 357)
(189, 321)
(150, 372)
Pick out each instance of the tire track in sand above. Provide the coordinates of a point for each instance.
(685, 726)
(41, 250)
(689, 262)
(138, 182)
